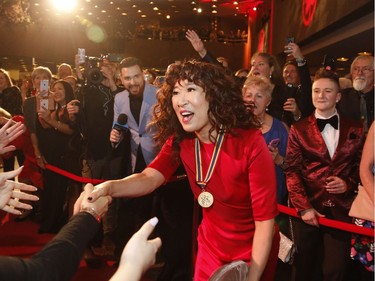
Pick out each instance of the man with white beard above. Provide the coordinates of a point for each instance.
(358, 102)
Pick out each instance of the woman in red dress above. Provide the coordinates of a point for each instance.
(203, 124)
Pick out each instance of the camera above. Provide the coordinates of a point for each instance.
(92, 72)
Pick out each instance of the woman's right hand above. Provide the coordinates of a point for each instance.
(73, 108)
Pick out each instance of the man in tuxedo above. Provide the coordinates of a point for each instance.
(358, 102)
(322, 160)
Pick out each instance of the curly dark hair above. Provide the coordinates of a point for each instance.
(226, 108)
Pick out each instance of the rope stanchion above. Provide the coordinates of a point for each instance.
(332, 223)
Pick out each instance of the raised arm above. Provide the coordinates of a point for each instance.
(196, 42)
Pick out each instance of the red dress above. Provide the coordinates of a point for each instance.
(243, 185)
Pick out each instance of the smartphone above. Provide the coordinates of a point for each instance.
(44, 103)
(81, 55)
(44, 86)
(274, 143)
(290, 40)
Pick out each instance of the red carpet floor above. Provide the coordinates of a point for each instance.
(22, 239)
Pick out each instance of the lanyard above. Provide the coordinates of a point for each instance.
(198, 161)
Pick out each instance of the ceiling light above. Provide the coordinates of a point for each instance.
(67, 5)
(199, 10)
(342, 59)
(364, 54)
(168, 17)
(214, 12)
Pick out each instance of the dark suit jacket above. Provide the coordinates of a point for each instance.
(59, 259)
(309, 164)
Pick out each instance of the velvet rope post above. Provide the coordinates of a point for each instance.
(283, 209)
(332, 223)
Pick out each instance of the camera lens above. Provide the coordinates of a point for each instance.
(94, 76)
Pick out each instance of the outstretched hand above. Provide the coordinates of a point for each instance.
(9, 132)
(139, 253)
(100, 205)
(11, 193)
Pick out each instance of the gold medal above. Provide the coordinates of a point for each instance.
(205, 199)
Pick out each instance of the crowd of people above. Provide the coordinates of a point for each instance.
(209, 151)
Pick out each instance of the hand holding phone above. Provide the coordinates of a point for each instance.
(274, 143)
(288, 49)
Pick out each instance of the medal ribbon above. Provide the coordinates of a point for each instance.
(198, 161)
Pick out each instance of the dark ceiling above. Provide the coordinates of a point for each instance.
(143, 11)
(163, 13)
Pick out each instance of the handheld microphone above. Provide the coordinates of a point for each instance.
(121, 124)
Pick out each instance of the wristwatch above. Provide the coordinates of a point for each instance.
(92, 212)
(301, 62)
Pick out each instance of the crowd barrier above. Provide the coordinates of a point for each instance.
(283, 209)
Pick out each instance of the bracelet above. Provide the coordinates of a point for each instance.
(58, 125)
(297, 118)
(301, 62)
(91, 211)
(38, 157)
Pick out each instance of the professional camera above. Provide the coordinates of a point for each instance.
(92, 71)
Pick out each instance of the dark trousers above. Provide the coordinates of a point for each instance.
(174, 207)
(323, 253)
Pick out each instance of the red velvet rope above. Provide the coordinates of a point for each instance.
(72, 176)
(283, 209)
(332, 223)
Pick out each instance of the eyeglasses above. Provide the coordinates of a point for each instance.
(364, 70)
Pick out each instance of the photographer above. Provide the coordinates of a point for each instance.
(92, 112)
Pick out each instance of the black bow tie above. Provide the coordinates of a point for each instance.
(334, 121)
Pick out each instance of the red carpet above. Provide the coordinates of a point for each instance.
(22, 239)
